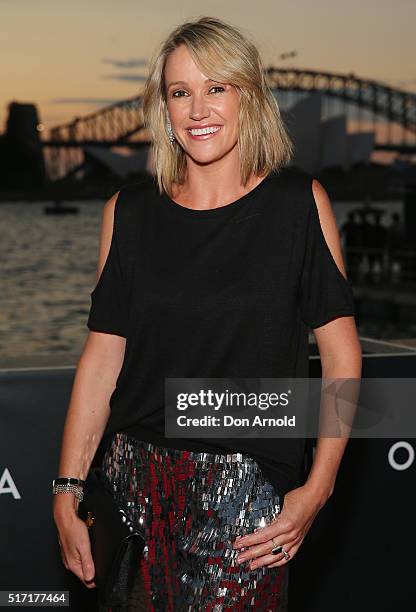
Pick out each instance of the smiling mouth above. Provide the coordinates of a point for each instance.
(202, 135)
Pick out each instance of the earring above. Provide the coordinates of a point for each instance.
(170, 132)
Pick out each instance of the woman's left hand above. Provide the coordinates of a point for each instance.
(288, 529)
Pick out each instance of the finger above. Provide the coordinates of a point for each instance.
(64, 561)
(260, 552)
(268, 561)
(279, 563)
(87, 564)
(283, 561)
(63, 555)
(256, 551)
(276, 560)
(76, 568)
(278, 527)
(74, 562)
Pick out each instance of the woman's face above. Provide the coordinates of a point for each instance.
(194, 102)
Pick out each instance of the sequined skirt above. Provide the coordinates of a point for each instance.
(193, 505)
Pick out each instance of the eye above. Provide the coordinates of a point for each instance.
(218, 87)
(182, 91)
(177, 91)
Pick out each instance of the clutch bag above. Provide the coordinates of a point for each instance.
(116, 543)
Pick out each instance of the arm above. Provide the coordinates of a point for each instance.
(336, 363)
(340, 353)
(95, 379)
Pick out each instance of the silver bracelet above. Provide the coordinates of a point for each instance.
(69, 488)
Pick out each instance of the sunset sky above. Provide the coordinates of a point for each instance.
(71, 58)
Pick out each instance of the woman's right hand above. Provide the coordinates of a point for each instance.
(74, 540)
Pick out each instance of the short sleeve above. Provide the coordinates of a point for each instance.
(107, 312)
(324, 291)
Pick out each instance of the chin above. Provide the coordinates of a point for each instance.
(208, 157)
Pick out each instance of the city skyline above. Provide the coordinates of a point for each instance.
(71, 60)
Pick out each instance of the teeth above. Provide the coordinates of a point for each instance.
(209, 130)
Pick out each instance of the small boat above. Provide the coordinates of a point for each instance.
(59, 209)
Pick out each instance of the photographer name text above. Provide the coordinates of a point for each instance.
(228, 420)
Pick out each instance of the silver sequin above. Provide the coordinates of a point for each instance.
(193, 506)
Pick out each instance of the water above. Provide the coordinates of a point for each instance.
(49, 265)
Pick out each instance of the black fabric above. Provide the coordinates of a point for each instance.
(324, 291)
(225, 292)
(111, 296)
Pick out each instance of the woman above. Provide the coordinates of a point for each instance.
(217, 268)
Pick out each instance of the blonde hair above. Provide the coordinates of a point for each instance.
(222, 53)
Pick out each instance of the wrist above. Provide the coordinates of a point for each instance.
(65, 505)
(319, 493)
(68, 485)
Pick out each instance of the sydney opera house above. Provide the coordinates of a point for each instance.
(319, 143)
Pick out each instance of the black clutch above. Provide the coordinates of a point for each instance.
(116, 544)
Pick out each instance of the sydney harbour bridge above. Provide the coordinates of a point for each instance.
(390, 113)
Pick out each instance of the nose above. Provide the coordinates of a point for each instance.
(199, 107)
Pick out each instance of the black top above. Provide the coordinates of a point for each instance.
(224, 292)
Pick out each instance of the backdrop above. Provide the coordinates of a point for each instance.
(358, 554)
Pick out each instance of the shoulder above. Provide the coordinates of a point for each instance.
(109, 206)
(108, 217)
(291, 188)
(135, 193)
(323, 206)
(136, 190)
(306, 199)
(125, 205)
(305, 191)
(293, 182)
(322, 220)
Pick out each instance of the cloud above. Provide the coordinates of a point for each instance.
(125, 77)
(129, 63)
(95, 101)
(125, 64)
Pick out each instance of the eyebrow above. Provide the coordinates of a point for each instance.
(184, 82)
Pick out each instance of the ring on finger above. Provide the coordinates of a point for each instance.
(277, 548)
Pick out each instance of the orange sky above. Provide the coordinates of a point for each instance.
(72, 58)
